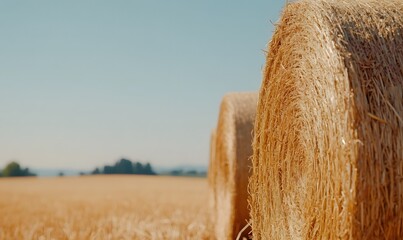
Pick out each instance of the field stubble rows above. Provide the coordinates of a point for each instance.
(104, 207)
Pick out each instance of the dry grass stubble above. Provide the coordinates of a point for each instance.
(104, 207)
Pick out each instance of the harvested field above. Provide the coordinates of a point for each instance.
(104, 207)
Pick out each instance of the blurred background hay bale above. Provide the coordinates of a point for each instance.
(230, 164)
(210, 176)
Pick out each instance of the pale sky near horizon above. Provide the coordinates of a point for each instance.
(84, 83)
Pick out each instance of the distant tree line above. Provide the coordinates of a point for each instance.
(13, 169)
(125, 166)
(122, 166)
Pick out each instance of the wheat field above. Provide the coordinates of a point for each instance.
(104, 207)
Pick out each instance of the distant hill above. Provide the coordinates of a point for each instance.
(183, 170)
(53, 172)
(184, 167)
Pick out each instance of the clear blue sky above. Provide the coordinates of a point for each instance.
(83, 83)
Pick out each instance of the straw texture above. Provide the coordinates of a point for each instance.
(233, 149)
(328, 146)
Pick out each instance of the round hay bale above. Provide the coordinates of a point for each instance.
(211, 176)
(233, 149)
(328, 146)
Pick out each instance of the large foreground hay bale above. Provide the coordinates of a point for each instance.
(328, 146)
(233, 149)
